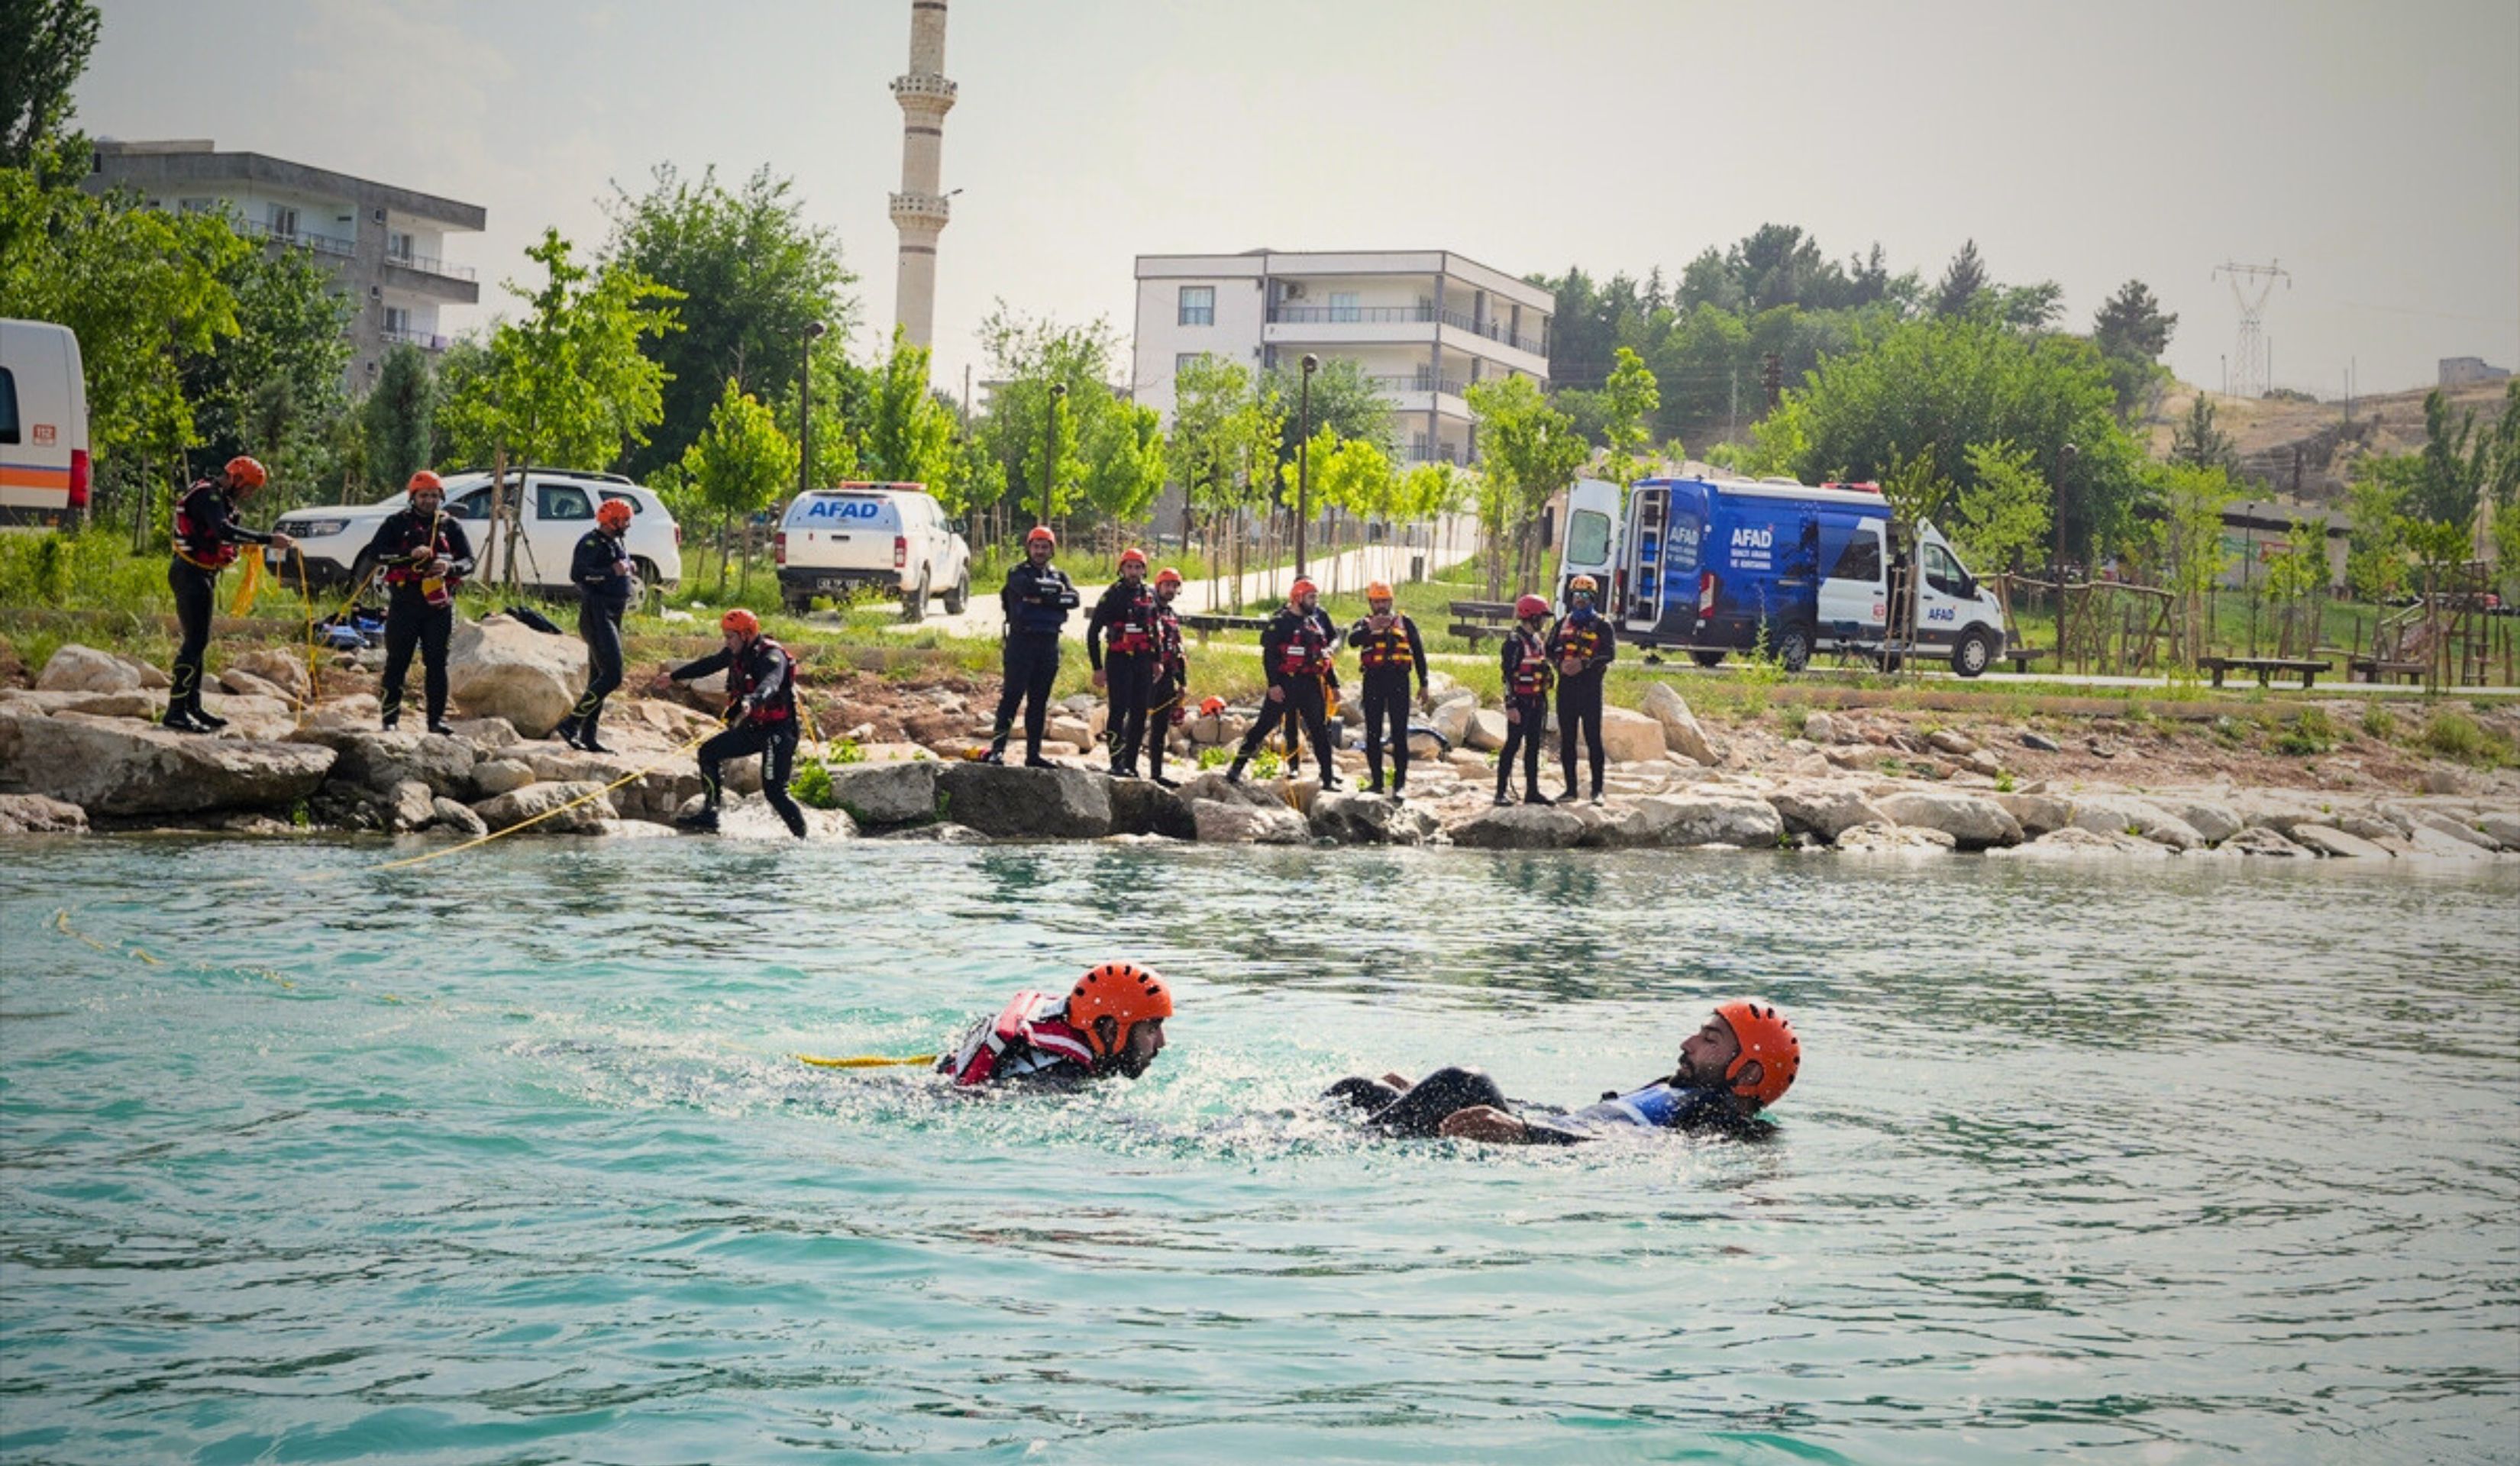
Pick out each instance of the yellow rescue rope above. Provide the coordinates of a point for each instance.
(863, 1061)
(560, 809)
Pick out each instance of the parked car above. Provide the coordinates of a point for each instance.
(43, 425)
(557, 508)
(892, 538)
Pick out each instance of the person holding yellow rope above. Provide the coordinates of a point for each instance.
(761, 716)
(1295, 651)
(207, 537)
(426, 555)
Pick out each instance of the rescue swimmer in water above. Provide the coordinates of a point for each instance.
(1739, 1062)
(1111, 1022)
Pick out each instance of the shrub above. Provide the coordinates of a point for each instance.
(2453, 734)
(2378, 722)
(2311, 732)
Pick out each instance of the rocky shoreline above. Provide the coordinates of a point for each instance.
(79, 752)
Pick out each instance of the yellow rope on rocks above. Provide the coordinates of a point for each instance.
(557, 809)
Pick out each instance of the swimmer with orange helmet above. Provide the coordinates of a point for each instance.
(1110, 1022)
(1739, 1062)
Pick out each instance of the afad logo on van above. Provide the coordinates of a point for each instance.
(1748, 537)
(844, 509)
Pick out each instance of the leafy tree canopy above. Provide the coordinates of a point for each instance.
(44, 47)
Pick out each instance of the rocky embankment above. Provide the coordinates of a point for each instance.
(81, 751)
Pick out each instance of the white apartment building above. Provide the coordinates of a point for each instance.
(384, 245)
(1422, 325)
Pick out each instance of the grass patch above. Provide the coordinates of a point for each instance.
(2452, 734)
(2311, 731)
(2378, 722)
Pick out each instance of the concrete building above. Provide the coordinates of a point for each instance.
(922, 209)
(386, 245)
(1422, 325)
(2460, 370)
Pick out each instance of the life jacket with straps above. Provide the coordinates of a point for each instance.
(1030, 1035)
(1530, 678)
(1389, 647)
(422, 540)
(200, 514)
(745, 671)
(1133, 631)
(1168, 636)
(1307, 653)
(1582, 641)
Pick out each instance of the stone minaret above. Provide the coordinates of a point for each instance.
(920, 210)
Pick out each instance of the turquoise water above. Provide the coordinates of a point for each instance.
(499, 1160)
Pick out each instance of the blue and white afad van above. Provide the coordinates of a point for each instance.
(43, 425)
(1708, 565)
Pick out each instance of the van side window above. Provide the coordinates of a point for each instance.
(1942, 572)
(562, 501)
(7, 407)
(1588, 537)
(1862, 560)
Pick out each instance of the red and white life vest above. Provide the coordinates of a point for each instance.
(1030, 1035)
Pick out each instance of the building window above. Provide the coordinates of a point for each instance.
(1198, 305)
(284, 221)
(1184, 361)
(199, 206)
(397, 244)
(1343, 306)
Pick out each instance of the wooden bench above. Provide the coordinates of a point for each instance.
(1480, 618)
(2378, 669)
(2022, 656)
(2264, 666)
(1206, 622)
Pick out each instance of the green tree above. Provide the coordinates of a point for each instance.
(2375, 511)
(1913, 488)
(2131, 332)
(1123, 457)
(2000, 519)
(1963, 280)
(1629, 403)
(395, 419)
(1028, 424)
(44, 47)
(909, 435)
(1343, 399)
(2450, 465)
(753, 274)
(2189, 537)
(2502, 490)
(843, 403)
(1528, 451)
(739, 466)
(2196, 442)
(274, 388)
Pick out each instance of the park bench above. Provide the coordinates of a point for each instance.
(2382, 669)
(1206, 622)
(2022, 656)
(1474, 619)
(2264, 666)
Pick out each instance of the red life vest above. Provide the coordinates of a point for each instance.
(197, 540)
(1582, 643)
(743, 673)
(422, 541)
(1531, 674)
(1384, 648)
(1168, 636)
(1307, 653)
(1032, 1032)
(1133, 632)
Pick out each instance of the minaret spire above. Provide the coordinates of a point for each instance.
(921, 210)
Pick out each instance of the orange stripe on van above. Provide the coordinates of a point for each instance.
(29, 477)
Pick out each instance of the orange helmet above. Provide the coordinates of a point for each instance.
(614, 514)
(1529, 606)
(1168, 576)
(1042, 532)
(1211, 707)
(246, 473)
(739, 619)
(1377, 590)
(423, 479)
(1133, 553)
(1584, 583)
(1765, 1036)
(1123, 992)
(1301, 588)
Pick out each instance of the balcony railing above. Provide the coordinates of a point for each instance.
(1423, 382)
(1388, 315)
(320, 243)
(420, 338)
(429, 265)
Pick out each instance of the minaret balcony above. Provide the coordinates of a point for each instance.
(934, 211)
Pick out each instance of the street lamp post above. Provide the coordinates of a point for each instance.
(814, 331)
(1304, 457)
(2064, 464)
(1050, 446)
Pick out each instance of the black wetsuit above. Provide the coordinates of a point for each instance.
(1526, 700)
(1421, 1110)
(1126, 615)
(1172, 684)
(1385, 659)
(403, 543)
(1036, 602)
(206, 534)
(600, 571)
(1579, 693)
(1303, 695)
(761, 714)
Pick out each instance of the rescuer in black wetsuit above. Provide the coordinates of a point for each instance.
(1036, 599)
(1295, 652)
(1525, 661)
(424, 555)
(1387, 650)
(1166, 710)
(600, 571)
(1582, 648)
(1125, 617)
(207, 537)
(760, 716)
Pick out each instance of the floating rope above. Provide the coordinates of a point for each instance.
(560, 809)
(863, 1061)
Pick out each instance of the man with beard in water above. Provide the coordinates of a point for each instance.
(1741, 1061)
(1111, 1022)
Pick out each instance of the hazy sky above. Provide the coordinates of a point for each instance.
(2373, 150)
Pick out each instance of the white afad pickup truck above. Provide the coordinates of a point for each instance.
(891, 538)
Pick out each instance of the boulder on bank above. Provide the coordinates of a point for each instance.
(1520, 827)
(1973, 822)
(536, 800)
(502, 668)
(1825, 810)
(1142, 807)
(1680, 730)
(284, 671)
(73, 668)
(119, 766)
(2072, 842)
(1054, 804)
(2039, 815)
(1631, 737)
(1706, 817)
(492, 777)
(2105, 815)
(1895, 839)
(458, 818)
(1451, 717)
(2259, 841)
(378, 760)
(881, 794)
(1371, 820)
(1219, 822)
(2336, 844)
(1487, 730)
(40, 815)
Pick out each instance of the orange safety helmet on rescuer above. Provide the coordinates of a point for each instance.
(739, 619)
(1044, 533)
(1377, 590)
(1210, 707)
(1133, 553)
(1529, 606)
(1765, 1036)
(423, 479)
(1122, 991)
(614, 514)
(1167, 576)
(1299, 590)
(246, 473)
(1584, 583)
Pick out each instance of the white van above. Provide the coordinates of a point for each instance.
(892, 538)
(43, 426)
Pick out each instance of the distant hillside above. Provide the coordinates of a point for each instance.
(2279, 439)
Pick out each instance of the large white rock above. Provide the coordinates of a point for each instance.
(1680, 730)
(1371, 820)
(284, 670)
(880, 794)
(2071, 842)
(1973, 822)
(2038, 814)
(2440, 845)
(117, 766)
(40, 815)
(1069, 804)
(1631, 737)
(536, 801)
(1222, 823)
(2458, 830)
(2213, 823)
(2116, 813)
(73, 668)
(1451, 717)
(495, 776)
(1487, 730)
(378, 760)
(2336, 844)
(457, 818)
(2504, 828)
(1894, 839)
(1702, 816)
(2259, 841)
(1825, 810)
(501, 668)
(1520, 827)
